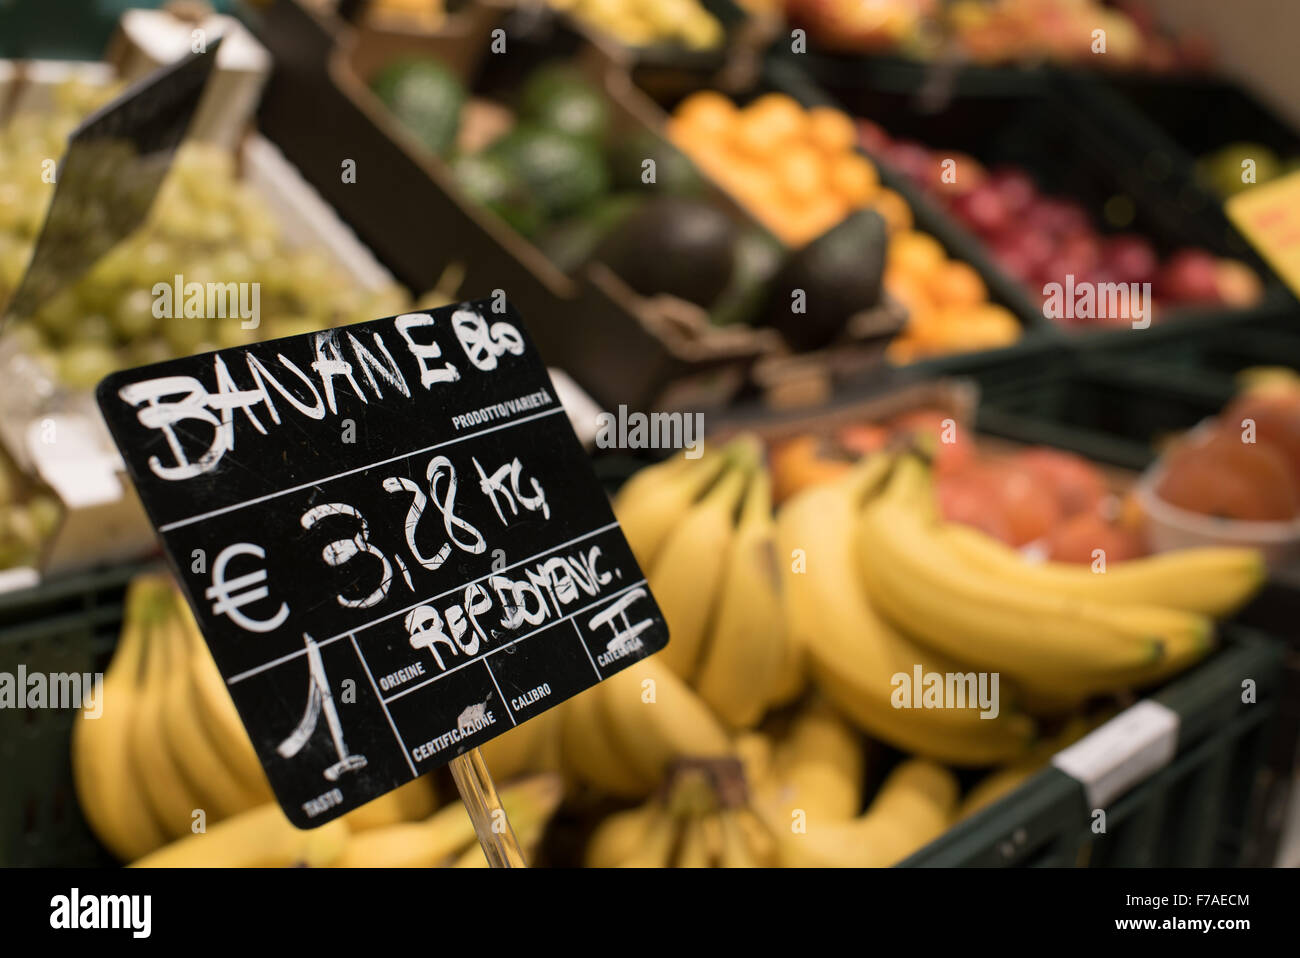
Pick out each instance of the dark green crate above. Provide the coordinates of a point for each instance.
(1196, 811)
(1210, 353)
(67, 625)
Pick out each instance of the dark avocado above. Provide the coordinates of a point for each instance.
(675, 174)
(758, 256)
(840, 274)
(673, 245)
(570, 244)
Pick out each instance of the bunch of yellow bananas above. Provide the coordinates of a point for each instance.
(810, 795)
(264, 838)
(794, 800)
(692, 822)
(1060, 633)
(853, 651)
(703, 531)
(169, 744)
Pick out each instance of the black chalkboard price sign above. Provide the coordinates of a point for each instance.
(391, 538)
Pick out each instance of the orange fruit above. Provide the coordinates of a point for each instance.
(909, 289)
(752, 183)
(986, 326)
(706, 112)
(955, 283)
(892, 206)
(917, 253)
(823, 212)
(800, 170)
(853, 177)
(779, 115)
(830, 130)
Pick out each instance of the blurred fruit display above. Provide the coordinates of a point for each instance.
(1041, 239)
(1001, 32)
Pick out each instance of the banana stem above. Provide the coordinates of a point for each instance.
(479, 794)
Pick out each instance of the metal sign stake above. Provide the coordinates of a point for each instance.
(479, 793)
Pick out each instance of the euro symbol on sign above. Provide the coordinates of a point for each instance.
(229, 597)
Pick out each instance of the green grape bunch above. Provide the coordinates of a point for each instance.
(206, 226)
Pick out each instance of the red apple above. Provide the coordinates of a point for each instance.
(1016, 188)
(982, 209)
(1022, 250)
(1082, 250)
(1057, 216)
(915, 162)
(1189, 276)
(1131, 257)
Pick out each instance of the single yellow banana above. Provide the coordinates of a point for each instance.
(169, 795)
(619, 837)
(688, 570)
(530, 747)
(1003, 781)
(1210, 581)
(693, 847)
(921, 587)
(589, 753)
(658, 843)
(651, 504)
(747, 645)
(915, 805)
(412, 802)
(424, 844)
(217, 711)
(111, 798)
(757, 754)
(448, 836)
(736, 852)
(205, 772)
(792, 672)
(259, 838)
(758, 838)
(820, 767)
(654, 718)
(853, 653)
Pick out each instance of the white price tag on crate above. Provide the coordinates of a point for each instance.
(1124, 751)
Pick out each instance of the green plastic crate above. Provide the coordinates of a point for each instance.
(67, 625)
(1196, 811)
